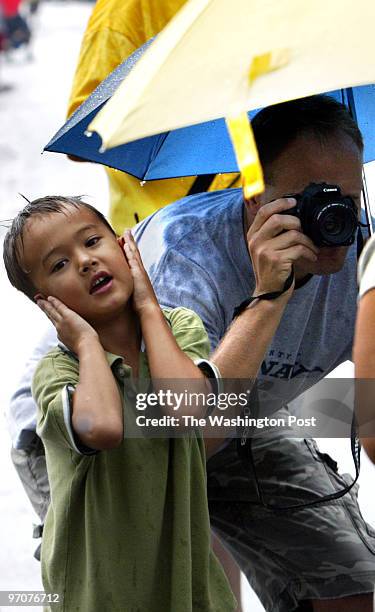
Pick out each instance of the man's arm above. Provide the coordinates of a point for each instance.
(241, 351)
(275, 243)
(97, 414)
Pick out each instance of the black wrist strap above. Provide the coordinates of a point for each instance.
(264, 296)
(245, 453)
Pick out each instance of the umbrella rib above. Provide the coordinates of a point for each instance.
(161, 138)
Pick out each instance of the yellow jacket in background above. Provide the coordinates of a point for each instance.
(115, 30)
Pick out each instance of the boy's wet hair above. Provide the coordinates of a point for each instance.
(13, 242)
(276, 127)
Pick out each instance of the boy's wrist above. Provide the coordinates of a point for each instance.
(87, 343)
(148, 311)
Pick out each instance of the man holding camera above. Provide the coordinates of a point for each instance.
(294, 296)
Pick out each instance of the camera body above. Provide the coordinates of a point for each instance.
(327, 217)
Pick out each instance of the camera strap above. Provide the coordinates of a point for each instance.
(245, 453)
(360, 240)
(264, 296)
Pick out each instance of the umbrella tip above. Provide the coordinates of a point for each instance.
(88, 133)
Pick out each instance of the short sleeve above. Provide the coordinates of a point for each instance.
(55, 378)
(189, 332)
(366, 268)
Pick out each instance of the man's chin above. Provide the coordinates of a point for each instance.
(330, 261)
(326, 270)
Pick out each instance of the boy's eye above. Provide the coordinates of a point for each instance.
(92, 241)
(58, 265)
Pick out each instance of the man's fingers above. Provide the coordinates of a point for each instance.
(271, 208)
(275, 225)
(290, 239)
(297, 252)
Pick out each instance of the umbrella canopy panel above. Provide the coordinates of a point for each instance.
(218, 58)
(199, 149)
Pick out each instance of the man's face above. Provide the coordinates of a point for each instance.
(73, 256)
(337, 161)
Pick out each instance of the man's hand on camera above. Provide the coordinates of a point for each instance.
(275, 242)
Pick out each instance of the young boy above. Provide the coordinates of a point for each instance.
(128, 527)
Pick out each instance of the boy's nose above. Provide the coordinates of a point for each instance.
(86, 264)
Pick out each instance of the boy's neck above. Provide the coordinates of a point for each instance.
(122, 336)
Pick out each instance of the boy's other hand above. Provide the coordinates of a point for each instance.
(144, 298)
(72, 329)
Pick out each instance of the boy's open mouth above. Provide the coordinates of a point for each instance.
(100, 283)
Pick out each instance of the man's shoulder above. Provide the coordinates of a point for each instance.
(193, 218)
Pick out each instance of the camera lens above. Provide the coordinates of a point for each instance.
(337, 224)
(332, 225)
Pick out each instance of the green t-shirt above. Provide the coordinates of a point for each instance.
(127, 529)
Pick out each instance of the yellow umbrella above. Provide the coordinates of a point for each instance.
(220, 58)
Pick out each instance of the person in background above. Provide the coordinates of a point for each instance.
(17, 31)
(115, 30)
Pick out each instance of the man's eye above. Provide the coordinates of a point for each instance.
(92, 241)
(59, 265)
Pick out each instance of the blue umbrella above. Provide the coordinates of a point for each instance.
(195, 150)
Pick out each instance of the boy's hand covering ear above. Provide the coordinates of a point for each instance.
(71, 328)
(144, 296)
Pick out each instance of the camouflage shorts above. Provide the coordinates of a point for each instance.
(324, 551)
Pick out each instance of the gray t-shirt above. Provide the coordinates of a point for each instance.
(196, 254)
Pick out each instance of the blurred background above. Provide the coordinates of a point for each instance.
(36, 71)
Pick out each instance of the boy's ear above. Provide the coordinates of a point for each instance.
(39, 296)
(121, 243)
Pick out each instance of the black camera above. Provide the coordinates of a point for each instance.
(327, 217)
